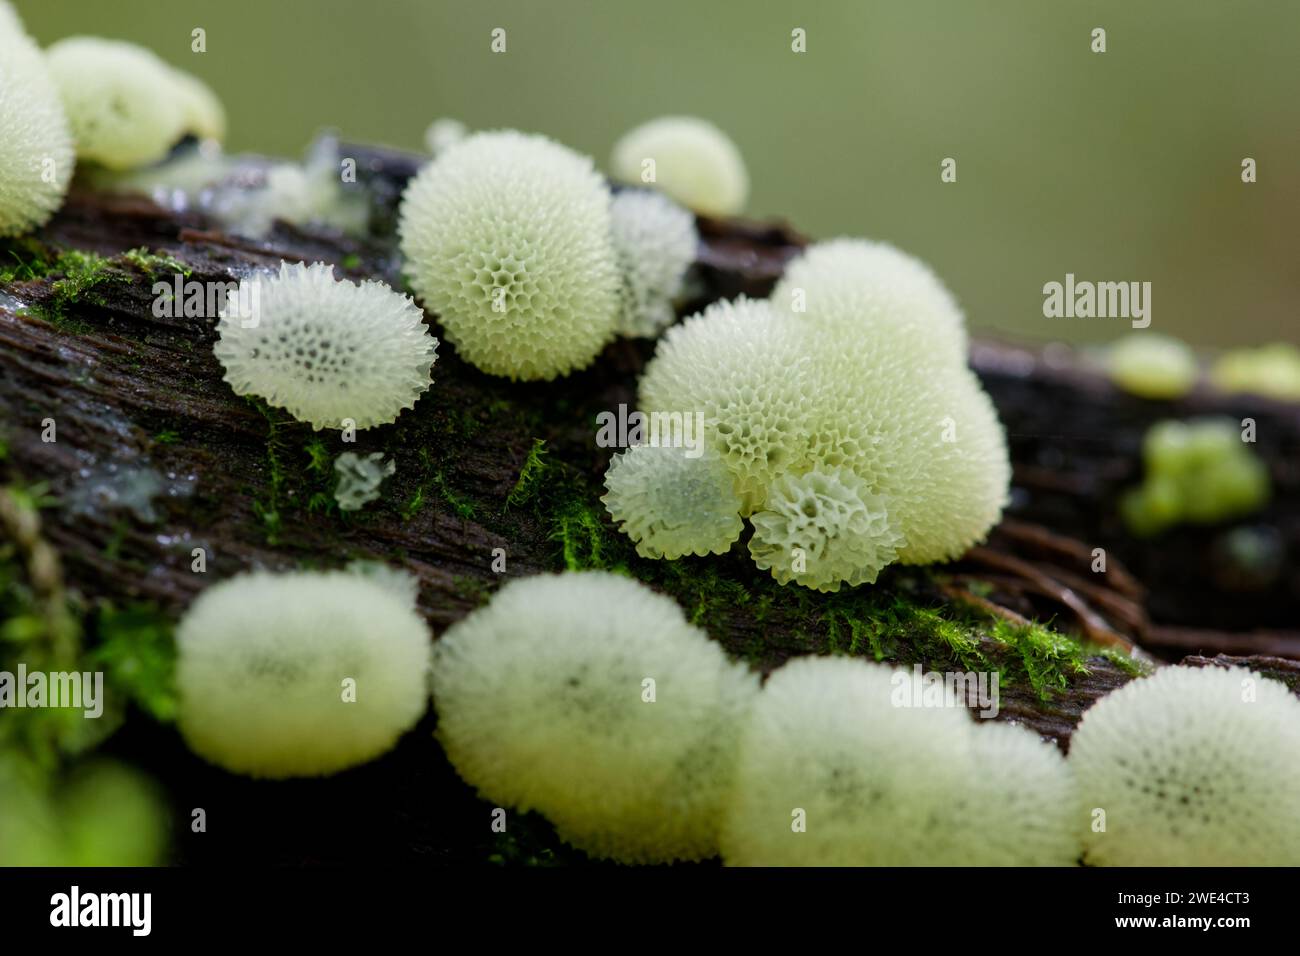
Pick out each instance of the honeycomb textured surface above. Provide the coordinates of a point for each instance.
(1192, 767)
(507, 238)
(655, 240)
(823, 529)
(36, 151)
(327, 350)
(746, 369)
(873, 782)
(857, 287)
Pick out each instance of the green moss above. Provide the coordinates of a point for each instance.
(167, 437)
(24, 259)
(412, 506)
(1131, 667)
(529, 840)
(134, 648)
(584, 544)
(82, 278)
(81, 273)
(474, 589)
(318, 456)
(704, 594)
(1046, 658)
(460, 505)
(154, 265)
(530, 475)
(298, 470)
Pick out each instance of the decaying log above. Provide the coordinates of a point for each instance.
(155, 456)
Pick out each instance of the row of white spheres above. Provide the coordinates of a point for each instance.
(513, 240)
(637, 737)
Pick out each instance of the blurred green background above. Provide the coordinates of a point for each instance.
(1117, 166)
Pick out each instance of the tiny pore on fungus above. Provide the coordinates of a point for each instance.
(688, 158)
(1191, 767)
(507, 238)
(299, 674)
(36, 153)
(619, 727)
(330, 351)
(1151, 365)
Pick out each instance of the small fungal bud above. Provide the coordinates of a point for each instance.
(121, 100)
(359, 478)
(746, 369)
(201, 111)
(672, 505)
(1199, 472)
(1154, 366)
(507, 238)
(693, 161)
(1193, 767)
(842, 528)
(327, 350)
(444, 133)
(36, 154)
(1270, 370)
(855, 287)
(541, 706)
(113, 815)
(261, 659)
(655, 240)
(103, 814)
